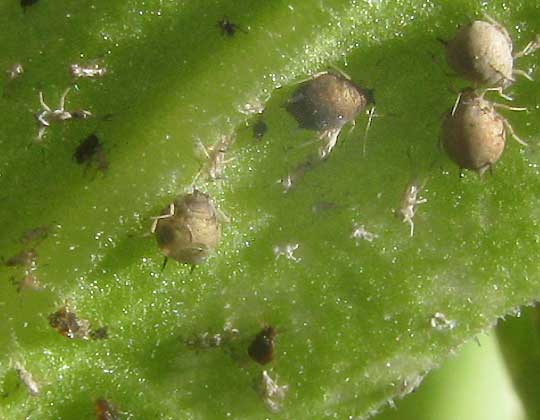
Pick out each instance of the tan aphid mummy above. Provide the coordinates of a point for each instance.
(189, 229)
(325, 104)
(481, 52)
(473, 134)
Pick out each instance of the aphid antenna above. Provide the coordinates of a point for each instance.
(513, 133)
(156, 219)
(371, 114)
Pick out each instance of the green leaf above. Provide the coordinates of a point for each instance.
(354, 320)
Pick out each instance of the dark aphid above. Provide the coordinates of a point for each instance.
(99, 334)
(105, 410)
(481, 52)
(27, 3)
(189, 229)
(473, 134)
(228, 28)
(326, 103)
(259, 129)
(90, 150)
(25, 258)
(67, 324)
(36, 234)
(261, 348)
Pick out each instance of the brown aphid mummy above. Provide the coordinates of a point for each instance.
(67, 324)
(262, 347)
(481, 52)
(473, 134)
(409, 203)
(105, 410)
(188, 229)
(46, 115)
(326, 103)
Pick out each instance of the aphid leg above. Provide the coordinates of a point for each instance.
(165, 260)
(163, 216)
(41, 132)
(222, 217)
(523, 73)
(329, 140)
(499, 90)
(529, 48)
(368, 126)
(483, 170)
(63, 98)
(509, 108)
(513, 133)
(456, 104)
(409, 220)
(42, 103)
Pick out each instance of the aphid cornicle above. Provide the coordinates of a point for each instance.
(481, 52)
(326, 103)
(473, 134)
(189, 229)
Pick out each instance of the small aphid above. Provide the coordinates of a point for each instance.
(25, 258)
(409, 203)
(94, 70)
(67, 324)
(481, 52)
(272, 393)
(26, 378)
(261, 348)
(473, 134)
(188, 229)
(286, 251)
(27, 282)
(46, 116)
(214, 158)
(27, 3)
(89, 151)
(228, 28)
(99, 334)
(259, 129)
(360, 233)
(36, 234)
(323, 206)
(105, 410)
(293, 177)
(15, 71)
(326, 103)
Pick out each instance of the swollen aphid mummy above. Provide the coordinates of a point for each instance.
(473, 134)
(481, 52)
(188, 229)
(325, 104)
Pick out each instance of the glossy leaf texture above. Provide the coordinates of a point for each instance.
(358, 322)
